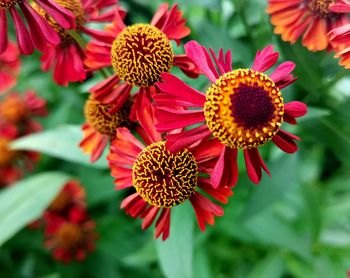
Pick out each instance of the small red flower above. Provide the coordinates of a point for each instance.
(69, 239)
(340, 39)
(66, 58)
(9, 67)
(37, 33)
(139, 54)
(242, 108)
(102, 124)
(163, 179)
(311, 19)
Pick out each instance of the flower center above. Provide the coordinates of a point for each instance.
(8, 3)
(101, 120)
(74, 6)
(61, 202)
(164, 179)
(13, 109)
(6, 155)
(320, 8)
(69, 236)
(140, 54)
(244, 109)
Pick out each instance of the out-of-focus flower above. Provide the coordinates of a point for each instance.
(163, 179)
(139, 54)
(243, 109)
(37, 33)
(340, 39)
(311, 19)
(101, 126)
(69, 239)
(9, 67)
(18, 109)
(66, 58)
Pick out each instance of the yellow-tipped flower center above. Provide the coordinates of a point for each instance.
(8, 3)
(6, 154)
(320, 8)
(98, 116)
(69, 236)
(140, 54)
(244, 109)
(164, 179)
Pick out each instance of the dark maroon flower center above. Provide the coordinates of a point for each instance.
(320, 8)
(252, 106)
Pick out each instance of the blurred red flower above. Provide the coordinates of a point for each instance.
(9, 67)
(340, 39)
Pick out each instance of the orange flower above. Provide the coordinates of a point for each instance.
(311, 19)
(340, 39)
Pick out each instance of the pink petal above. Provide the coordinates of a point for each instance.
(295, 109)
(285, 141)
(265, 59)
(3, 31)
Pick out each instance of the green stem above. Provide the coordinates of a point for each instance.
(78, 38)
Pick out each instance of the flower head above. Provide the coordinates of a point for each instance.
(139, 54)
(311, 19)
(69, 239)
(66, 58)
(102, 124)
(9, 67)
(243, 109)
(163, 179)
(38, 33)
(340, 39)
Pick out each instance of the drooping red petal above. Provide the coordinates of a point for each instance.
(225, 172)
(265, 59)
(186, 65)
(3, 31)
(295, 109)
(220, 194)
(285, 141)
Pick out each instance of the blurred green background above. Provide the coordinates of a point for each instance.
(295, 224)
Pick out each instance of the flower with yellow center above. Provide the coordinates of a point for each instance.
(13, 108)
(242, 108)
(164, 179)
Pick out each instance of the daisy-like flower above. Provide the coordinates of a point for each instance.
(311, 19)
(163, 179)
(243, 109)
(139, 54)
(69, 239)
(101, 125)
(9, 67)
(340, 39)
(19, 109)
(66, 58)
(37, 33)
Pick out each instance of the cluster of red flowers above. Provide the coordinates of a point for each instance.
(169, 142)
(323, 24)
(68, 229)
(16, 120)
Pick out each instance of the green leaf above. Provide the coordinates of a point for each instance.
(26, 200)
(176, 253)
(270, 266)
(273, 189)
(62, 142)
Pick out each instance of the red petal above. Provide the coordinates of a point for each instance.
(225, 172)
(265, 59)
(285, 141)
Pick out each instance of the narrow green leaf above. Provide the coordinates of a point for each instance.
(26, 201)
(62, 142)
(270, 266)
(176, 253)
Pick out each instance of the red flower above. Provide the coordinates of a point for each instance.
(19, 110)
(40, 33)
(311, 19)
(66, 59)
(101, 126)
(340, 39)
(69, 239)
(163, 179)
(139, 54)
(9, 67)
(242, 108)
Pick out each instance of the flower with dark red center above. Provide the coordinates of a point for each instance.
(340, 40)
(243, 109)
(163, 179)
(69, 239)
(9, 67)
(139, 54)
(37, 33)
(311, 19)
(102, 124)
(66, 59)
